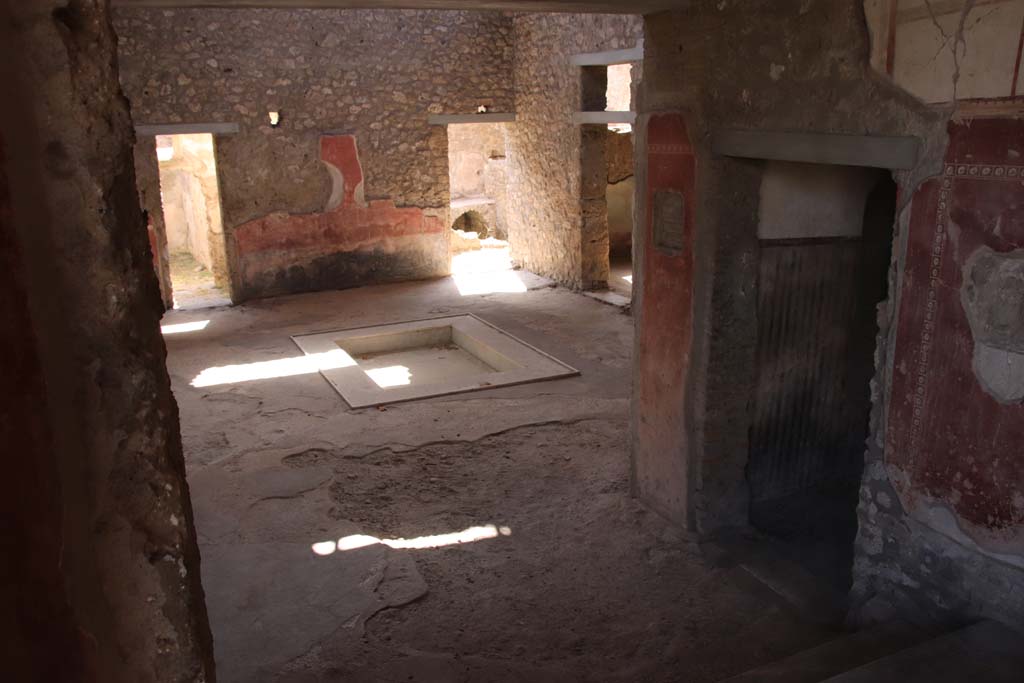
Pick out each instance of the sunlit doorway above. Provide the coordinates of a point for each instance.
(190, 198)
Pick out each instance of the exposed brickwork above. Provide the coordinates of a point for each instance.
(546, 216)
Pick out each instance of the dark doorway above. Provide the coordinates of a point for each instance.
(817, 329)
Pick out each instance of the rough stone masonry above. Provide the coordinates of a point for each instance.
(325, 73)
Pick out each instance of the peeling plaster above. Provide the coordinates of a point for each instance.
(992, 295)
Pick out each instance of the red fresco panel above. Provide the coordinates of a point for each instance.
(948, 441)
(280, 240)
(665, 336)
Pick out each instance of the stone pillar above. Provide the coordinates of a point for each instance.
(116, 582)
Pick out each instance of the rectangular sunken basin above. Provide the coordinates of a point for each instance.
(371, 366)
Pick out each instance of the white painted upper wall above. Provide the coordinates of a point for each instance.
(620, 80)
(924, 44)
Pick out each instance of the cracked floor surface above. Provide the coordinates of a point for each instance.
(575, 580)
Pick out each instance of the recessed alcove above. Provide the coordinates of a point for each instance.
(824, 230)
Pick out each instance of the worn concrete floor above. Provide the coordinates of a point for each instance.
(561, 575)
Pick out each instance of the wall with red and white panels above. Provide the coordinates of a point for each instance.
(942, 509)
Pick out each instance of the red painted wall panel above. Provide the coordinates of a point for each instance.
(948, 440)
(383, 242)
(665, 335)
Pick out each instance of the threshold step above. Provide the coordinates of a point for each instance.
(836, 656)
(609, 297)
(985, 652)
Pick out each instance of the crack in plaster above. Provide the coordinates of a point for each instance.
(958, 41)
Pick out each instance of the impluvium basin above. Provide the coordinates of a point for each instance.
(372, 366)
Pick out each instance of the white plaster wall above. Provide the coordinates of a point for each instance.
(803, 201)
(941, 51)
(620, 81)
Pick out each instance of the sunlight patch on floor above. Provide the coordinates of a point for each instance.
(180, 328)
(391, 376)
(486, 271)
(356, 541)
(270, 369)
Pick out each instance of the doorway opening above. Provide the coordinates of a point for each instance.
(825, 235)
(477, 179)
(621, 184)
(190, 198)
(619, 94)
(608, 183)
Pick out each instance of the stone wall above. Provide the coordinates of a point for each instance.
(940, 512)
(106, 583)
(375, 75)
(546, 227)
